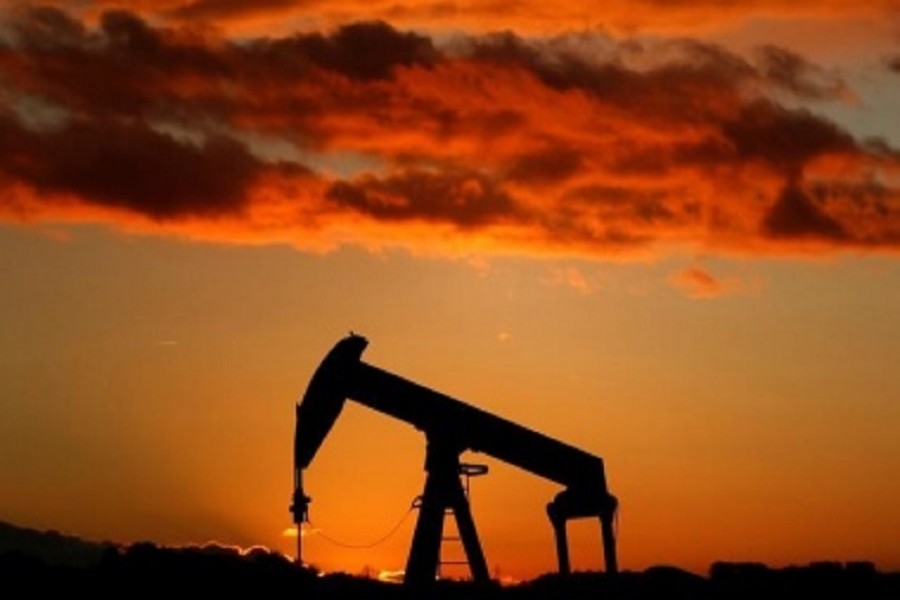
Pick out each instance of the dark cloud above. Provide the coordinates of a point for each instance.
(130, 166)
(784, 138)
(547, 166)
(794, 73)
(131, 36)
(363, 51)
(125, 66)
(43, 28)
(796, 215)
(687, 85)
(608, 80)
(462, 198)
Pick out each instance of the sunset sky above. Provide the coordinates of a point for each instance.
(666, 232)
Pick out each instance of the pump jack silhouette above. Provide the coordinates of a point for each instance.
(451, 427)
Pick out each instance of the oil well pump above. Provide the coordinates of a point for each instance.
(451, 427)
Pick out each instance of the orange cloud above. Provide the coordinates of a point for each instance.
(623, 16)
(482, 144)
(695, 282)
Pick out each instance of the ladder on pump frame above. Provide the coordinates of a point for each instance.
(466, 472)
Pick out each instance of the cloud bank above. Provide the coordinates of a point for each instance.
(367, 134)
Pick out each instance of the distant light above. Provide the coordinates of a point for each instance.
(391, 576)
(292, 532)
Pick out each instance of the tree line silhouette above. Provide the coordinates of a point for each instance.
(41, 562)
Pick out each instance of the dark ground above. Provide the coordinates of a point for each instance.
(33, 563)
